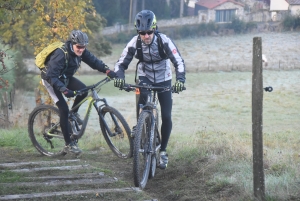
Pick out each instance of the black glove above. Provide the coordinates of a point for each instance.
(69, 93)
(110, 74)
(178, 86)
(119, 83)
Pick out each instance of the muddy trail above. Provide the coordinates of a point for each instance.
(96, 175)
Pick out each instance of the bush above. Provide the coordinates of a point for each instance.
(251, 25)
(239, 26)
(289, 22)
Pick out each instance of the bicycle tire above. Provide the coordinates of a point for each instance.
(41, 119)
(141, 156)
(121, 142)
(157, 141)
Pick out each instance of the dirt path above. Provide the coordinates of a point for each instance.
(31, 176)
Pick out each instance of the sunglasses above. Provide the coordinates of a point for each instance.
(80, 47)
(146, 32)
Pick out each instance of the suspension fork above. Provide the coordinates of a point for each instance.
(117, 128)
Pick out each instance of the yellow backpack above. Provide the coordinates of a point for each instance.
(41, 57)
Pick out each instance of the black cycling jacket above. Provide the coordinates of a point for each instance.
(56, 65)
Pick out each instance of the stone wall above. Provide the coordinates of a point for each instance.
(260, 16)
(161, 23)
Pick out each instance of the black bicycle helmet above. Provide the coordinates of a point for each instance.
(78, 37)
(145, 20)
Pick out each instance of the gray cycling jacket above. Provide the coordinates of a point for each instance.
(153, 67)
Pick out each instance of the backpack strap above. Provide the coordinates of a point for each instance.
(63, 48)
(161, 49)
(139, 50)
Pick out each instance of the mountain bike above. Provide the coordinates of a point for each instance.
(46, 135)
(146, 136)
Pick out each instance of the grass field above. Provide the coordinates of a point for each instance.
(212, 123)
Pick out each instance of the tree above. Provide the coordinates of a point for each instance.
(45, 20)
(29, 25)
(7, 77)
(11, 61)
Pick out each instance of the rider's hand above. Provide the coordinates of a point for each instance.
(178, 86)
(69, 93)
(119, 82)
(110, 74)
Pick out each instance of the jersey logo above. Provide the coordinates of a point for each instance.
(174, 51)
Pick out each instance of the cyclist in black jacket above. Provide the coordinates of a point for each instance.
(154, 70)
(58, 79)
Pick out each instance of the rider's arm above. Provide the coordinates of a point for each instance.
(125, 58)
(93, 61)
(175, 57)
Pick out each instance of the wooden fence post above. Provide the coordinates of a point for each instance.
(257, 123)
(6, 114)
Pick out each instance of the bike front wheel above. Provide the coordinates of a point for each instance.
(45, 131)
(141, 152)
(116, 132)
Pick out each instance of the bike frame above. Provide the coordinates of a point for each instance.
(92, 99)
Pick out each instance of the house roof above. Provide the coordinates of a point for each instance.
(211, 4)
(293, 2)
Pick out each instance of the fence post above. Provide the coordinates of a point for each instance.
(257, 123)
(6, 114)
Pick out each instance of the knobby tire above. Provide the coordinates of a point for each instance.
(41, 119)
(142, 159)
(121, 142)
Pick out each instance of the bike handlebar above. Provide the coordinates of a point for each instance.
(82, 91)
(132, 87)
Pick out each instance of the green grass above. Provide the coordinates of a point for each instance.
(212, 130)
(16, 138)
(10, 177)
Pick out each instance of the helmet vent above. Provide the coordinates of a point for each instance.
(149, 23)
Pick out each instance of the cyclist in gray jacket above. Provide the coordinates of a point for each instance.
(153, 68)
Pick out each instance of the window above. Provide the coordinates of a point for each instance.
(225, 15)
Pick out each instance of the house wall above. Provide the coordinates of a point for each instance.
(211, 14)
(295, 9)
(277, 5)
(260, 16)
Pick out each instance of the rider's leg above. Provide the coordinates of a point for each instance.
(75, 84)
(165, 100)
(63, 113)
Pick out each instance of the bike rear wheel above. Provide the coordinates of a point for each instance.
(45, 131)
(141, 153)
(116, 132)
